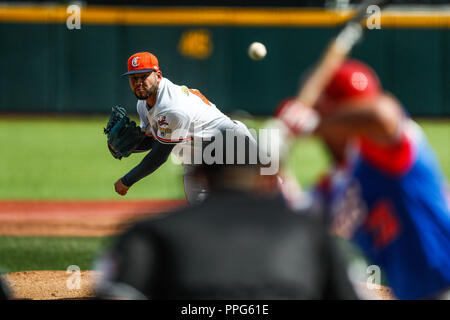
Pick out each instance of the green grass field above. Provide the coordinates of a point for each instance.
(49, 253)
(67, 158)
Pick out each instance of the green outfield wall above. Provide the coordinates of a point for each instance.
(46, 67)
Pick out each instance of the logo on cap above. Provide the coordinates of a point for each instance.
(135, 61)
(141, 62)
(359, 81)
(162, 121)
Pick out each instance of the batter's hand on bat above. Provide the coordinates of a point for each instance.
(300, 120)
(121, 188)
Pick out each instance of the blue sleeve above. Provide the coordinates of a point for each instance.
(152, 161)
(146, 145)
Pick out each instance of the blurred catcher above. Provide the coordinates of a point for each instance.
(170, 115)
(242, 242)
(386, 190)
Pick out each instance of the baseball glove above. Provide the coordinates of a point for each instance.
(124, 136)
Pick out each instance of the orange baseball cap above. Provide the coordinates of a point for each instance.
(142, 62)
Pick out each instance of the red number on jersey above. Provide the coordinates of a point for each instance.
(383, 224)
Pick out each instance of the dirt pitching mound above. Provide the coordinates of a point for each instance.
(51, 285)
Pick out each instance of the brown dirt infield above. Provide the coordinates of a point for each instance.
(76, 218)
(51, 285)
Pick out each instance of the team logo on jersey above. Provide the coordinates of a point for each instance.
(165, 130)
(185, 90)
(162, 121)
(135, 62)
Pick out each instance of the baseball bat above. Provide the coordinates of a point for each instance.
(335, 54)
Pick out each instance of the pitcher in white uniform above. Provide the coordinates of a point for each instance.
(172, 115)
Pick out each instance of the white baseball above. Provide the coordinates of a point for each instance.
(257, 51)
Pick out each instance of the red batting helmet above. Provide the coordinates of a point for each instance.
(353, 79)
